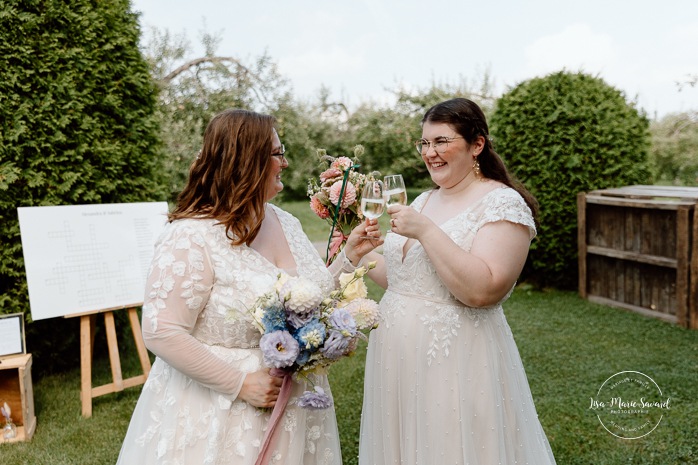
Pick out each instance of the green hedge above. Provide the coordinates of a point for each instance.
(76, 123)
(560, 135)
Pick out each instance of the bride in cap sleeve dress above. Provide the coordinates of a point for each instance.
(444, 380)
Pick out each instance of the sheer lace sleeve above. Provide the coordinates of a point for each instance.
(507, 205)
(177, 290)
(341, 264)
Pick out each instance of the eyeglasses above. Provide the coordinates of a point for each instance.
(440, 144)
(281, 153)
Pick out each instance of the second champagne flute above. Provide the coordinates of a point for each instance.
(395, 192)
(372, 202)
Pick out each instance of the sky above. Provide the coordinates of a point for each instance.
(362, 49)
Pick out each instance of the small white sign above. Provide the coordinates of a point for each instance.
(11, 334)
(85, 258)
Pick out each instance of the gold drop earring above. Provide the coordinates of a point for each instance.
(476, 168)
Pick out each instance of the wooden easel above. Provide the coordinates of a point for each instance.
(87, 337)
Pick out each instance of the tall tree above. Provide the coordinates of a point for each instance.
(77, 119)
(194, 88)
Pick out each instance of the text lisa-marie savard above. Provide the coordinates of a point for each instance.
(619, 403)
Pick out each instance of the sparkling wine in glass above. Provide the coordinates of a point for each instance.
(372, 201)
(395, 192)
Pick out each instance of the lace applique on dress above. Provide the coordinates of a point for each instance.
(444, 383)
(195, 282)
(170, 268)
(415, 276)
(442, 325)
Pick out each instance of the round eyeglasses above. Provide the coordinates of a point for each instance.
(440, 144)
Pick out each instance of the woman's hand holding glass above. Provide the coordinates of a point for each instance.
(408, 222)
(363, 239)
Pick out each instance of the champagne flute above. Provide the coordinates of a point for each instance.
(372, 201)
(395, 192)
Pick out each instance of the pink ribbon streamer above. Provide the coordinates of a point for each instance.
(338, 239)
(279, 408)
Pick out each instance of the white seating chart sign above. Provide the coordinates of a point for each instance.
(85, 258)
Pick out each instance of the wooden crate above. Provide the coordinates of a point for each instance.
(638, 250)
(16, 390)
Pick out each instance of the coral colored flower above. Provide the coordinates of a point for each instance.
(349, 194)
(327, 189)
(318, 208)
(329, 174)
(342, 163)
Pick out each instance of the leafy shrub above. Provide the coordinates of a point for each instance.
(564, 134)
(76, 125)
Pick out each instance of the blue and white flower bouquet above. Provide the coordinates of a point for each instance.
(304, 331)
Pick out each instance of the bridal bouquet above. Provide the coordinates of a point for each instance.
(304, 331)
(336, 197)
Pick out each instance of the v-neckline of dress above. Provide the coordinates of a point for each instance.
(288, 244)
(441, 225)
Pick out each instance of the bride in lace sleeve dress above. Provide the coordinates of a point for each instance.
(444, 380)
(223, 247)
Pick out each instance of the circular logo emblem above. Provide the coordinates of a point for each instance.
(629, 405)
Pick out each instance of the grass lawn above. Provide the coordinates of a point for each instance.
(569, 347)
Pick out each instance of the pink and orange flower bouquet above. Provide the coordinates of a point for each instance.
(336, 197)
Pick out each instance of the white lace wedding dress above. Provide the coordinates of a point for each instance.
(444, 382)
(188, 412)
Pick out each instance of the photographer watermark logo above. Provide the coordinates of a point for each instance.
(629, 405)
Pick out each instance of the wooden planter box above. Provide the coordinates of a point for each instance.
(16, 390)
(638, 250)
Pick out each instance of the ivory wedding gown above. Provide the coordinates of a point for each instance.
(444, 382)
(188, 412)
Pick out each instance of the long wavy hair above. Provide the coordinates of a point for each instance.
(228, 179)
(468, 120)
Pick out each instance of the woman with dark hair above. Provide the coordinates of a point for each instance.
(208, 396)
(444, 380)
